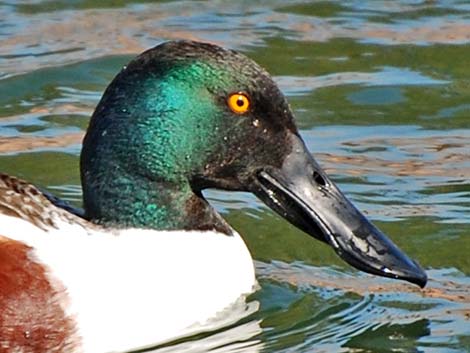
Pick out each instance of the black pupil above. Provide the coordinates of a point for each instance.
(240, 102)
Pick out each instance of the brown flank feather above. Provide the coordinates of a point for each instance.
(31, 317)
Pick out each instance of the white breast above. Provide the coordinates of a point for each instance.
(135, 288)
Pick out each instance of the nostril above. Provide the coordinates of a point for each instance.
(319, 179)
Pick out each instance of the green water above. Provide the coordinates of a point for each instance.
(381, 91)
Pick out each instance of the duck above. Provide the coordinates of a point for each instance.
(148, 258)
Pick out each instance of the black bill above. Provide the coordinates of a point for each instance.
(303, 194)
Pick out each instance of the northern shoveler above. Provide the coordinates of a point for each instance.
(149, 258)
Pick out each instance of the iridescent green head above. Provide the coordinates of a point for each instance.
(185, 116)
(180, 117)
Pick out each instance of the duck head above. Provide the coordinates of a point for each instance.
(186, 116)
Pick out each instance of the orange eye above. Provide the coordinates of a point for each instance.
(238, 103)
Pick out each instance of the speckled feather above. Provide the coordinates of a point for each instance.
(25, 201)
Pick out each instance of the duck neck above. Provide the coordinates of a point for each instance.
(137, 202)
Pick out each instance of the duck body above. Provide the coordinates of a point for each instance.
(149, 260)
(113, 286)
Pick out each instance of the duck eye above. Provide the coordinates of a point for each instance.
(238, 103)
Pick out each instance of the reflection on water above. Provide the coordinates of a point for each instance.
(245, 334)
(232, 331)
(343, 310)
(380, 90)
